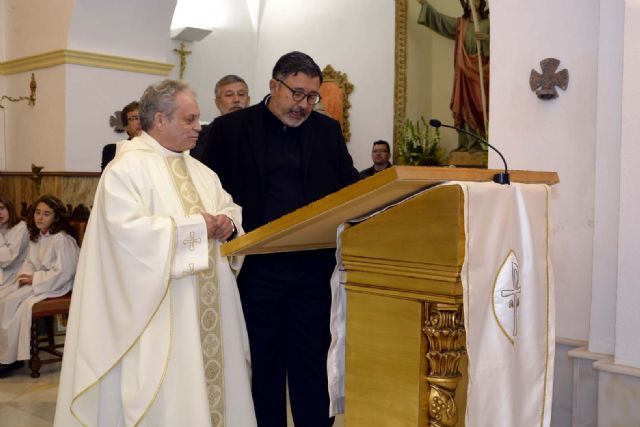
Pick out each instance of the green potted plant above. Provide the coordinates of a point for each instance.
(419, 146)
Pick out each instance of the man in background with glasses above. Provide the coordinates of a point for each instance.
(130, 119)
(273, 158)
(380, 154)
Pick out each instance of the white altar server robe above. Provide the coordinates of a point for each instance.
(133, 352)
(14, 244)
(52, 261)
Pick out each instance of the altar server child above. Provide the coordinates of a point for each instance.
(14, 243)
(47, 272)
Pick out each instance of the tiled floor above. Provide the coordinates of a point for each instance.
(31, 402)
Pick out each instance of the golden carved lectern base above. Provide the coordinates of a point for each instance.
(405, 358)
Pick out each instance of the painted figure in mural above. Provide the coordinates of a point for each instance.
(466, 100)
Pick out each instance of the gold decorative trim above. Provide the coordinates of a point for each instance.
(444, 328)
(400, 86)
(329, 74)
(88, 59)
(546, 364)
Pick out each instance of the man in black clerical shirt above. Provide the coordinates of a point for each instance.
(275, 157)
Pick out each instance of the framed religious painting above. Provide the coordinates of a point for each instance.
(335, 91)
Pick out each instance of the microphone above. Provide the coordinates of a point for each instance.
(500, 178)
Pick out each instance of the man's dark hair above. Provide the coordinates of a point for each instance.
(228, 79)
(132, 106)
(381, 142)
(293, 63)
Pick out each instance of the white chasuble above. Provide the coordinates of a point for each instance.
(133, 351)
(509, 312)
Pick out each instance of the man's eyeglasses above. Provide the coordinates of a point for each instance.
(298, 95)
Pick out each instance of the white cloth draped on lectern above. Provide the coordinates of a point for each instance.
(508, 307)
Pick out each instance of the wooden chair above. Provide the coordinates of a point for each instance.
(47, 310)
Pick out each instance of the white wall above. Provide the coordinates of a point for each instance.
(69, 125)
(36, 134)
(92, 96)
(137, 29)
(557, 135)
(229, 49)
(607, 178)
(357, 38)
(627, 345)
(29, 28)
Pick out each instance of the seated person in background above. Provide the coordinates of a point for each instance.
(232, 94)
(380, 154)
(131, 121)
(14, 242)
(47, 272)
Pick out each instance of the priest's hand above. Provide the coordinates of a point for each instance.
(219, 227)
(25, 279)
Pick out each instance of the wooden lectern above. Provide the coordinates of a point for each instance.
(405, 356)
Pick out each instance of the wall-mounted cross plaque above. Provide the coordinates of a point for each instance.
(544, 85)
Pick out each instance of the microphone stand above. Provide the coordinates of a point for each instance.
(499, 178)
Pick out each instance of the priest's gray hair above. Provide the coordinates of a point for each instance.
(160, 98)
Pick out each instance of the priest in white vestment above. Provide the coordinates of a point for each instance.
(156, 334)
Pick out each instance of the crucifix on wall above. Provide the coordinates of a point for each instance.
(183, 58)
(187, 35)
